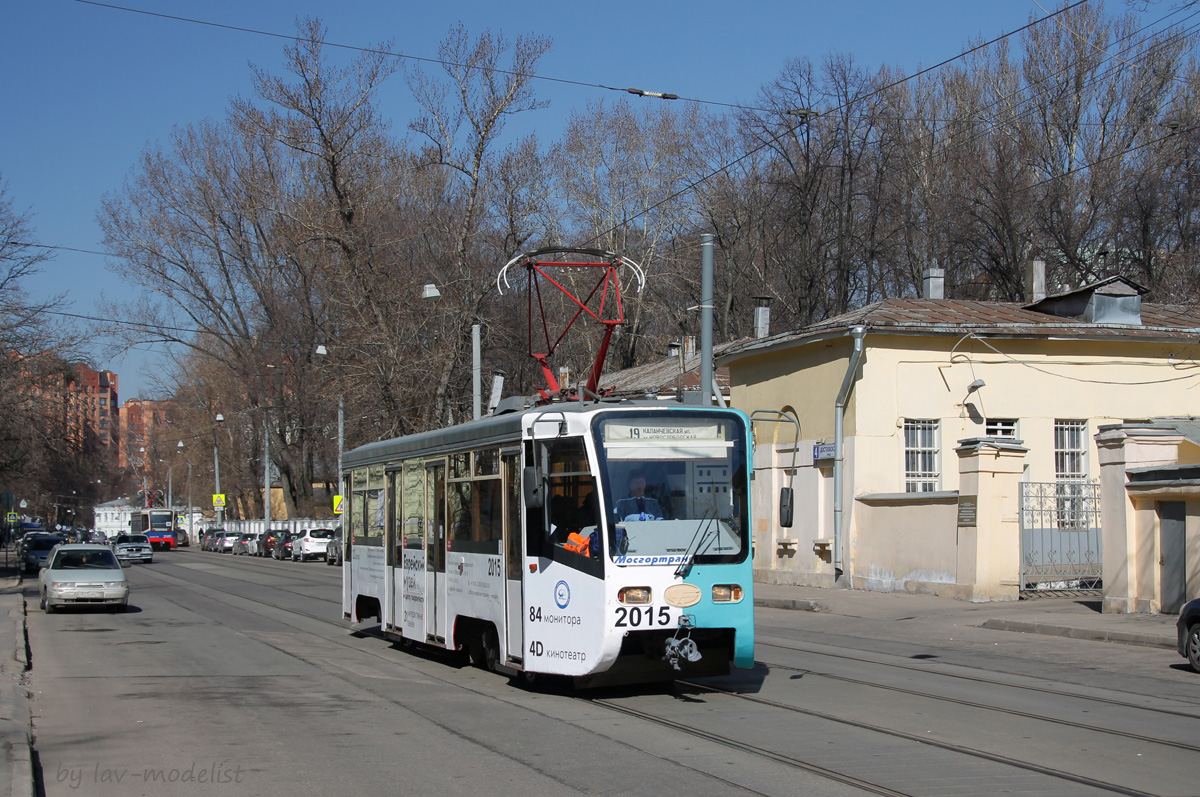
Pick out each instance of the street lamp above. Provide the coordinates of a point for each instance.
(322, 352)
(142, 467)
(217, 472)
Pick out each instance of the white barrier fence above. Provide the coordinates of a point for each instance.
(258, 526)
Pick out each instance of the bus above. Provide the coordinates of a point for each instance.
(157, 524)
(607, 542)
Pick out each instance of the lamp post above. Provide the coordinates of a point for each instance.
(170, 487)
(217, 472)
(142, 468)
(322, 351)
(266, 474)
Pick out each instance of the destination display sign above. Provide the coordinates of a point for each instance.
(643, 431)
(649, 438)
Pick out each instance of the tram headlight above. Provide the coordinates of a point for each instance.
(726, 593)
(634, 595)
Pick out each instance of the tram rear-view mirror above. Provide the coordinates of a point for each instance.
(531, 485)
(785, 507)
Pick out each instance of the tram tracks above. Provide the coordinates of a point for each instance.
(926, 740)
(977, 679)
(1010, 711)
(653, 713)
(795, 763)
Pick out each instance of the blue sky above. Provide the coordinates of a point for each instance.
(87, 87)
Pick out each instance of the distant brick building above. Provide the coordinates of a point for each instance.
(95, 405)
(142, 442)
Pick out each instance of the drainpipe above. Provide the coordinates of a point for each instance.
(843, 397)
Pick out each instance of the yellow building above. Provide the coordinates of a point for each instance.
(924, 424)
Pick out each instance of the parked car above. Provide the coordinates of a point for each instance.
(83, 574)
(23, 540)
(273, 537)
(333, 552)
(258, 545)
(208, 537)
(133, 548)
(35, 549)
(218, 540)
(283, 545)
(181, 539)
(224, 543)
(241, 543)
(310, 544)
(1188, 626)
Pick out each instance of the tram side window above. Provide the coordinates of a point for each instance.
(460, 510)
(476, 503)
(358, 498)
(565, 529)
(512, 489)
(413, 512)
(376, 508)
(489, 493)
(395, 542)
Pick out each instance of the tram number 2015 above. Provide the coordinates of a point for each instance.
(637, 617)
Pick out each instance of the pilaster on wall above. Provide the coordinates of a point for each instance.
(989, 534)
(1128, 564)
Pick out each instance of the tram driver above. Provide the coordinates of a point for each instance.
(638, 506)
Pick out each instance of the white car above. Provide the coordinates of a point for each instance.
(83, 574)
(311, 544)
(133, 548)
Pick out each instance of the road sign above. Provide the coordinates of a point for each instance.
(218, 500)
(12, 517)
(337, 505)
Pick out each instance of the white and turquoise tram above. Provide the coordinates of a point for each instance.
(605, 542)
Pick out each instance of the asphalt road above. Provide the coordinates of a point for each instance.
(237, 676)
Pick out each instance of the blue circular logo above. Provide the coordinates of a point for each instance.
(562, 594)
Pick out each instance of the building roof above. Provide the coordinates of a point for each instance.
(957, 317)
(118, 504)
(667, 377)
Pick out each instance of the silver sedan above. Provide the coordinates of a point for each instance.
(83, 574)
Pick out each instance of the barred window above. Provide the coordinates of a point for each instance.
(921, 474)
(1070, 471)
(1070, 450)
(1001, 427)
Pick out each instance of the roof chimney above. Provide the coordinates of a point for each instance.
(762, 316)
(933, 283)
(1035, 281)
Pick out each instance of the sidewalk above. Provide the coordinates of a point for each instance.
(1077, 617)
(16, 765)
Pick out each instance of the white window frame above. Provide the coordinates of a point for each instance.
(922, 455)
(1002, 427)
(1070, 450)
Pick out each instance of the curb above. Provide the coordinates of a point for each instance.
(1121, 637)
(16, 722)
(798, 604)
(1018, 626)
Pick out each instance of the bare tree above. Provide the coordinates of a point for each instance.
(477, 224)
(41, 448)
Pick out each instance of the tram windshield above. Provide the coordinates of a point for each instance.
(674, 487)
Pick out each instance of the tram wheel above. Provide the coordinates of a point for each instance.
(491, 650)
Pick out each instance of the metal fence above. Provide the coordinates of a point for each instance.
(1060, 536)
(258, 526)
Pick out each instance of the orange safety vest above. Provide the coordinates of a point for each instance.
(577, 543)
